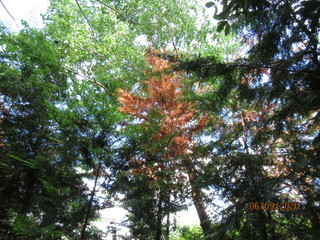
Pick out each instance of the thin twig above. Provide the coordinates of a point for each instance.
(123, 15)
(9, 14)
(115, 10)
(90, 80)
(85, 16)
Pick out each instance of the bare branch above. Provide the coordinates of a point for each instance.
(9, 14)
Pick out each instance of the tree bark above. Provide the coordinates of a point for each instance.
(198, 201)
(168, 218)
(29, 192)
(93, 193)
(159, 218)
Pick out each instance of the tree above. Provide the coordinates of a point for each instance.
(267, 141)
(40, 187)
(170, 123)
(100, 42)
(59, 123)
(63, 123)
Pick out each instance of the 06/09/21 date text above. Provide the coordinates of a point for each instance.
(283, 206)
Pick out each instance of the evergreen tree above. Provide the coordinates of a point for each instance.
(39, 186)
(169, 124)
(265, 146)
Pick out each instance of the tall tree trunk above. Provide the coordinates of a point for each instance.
(30, 188)
(168, 218)
(93, 192)
(263, 228)
(244, 134)
(159, 218)
(197, 197)
(31, 180)
(314, 216)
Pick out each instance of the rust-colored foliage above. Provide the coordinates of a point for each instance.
(178, 119)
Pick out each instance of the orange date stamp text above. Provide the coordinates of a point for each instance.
(282, 206)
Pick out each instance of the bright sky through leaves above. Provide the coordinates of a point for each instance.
(23, 10)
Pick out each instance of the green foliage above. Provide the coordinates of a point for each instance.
(59, 116)
(139, 191)
(60, 122)
(38, 183)
(267, 133)
(26, 228)
(188, 233)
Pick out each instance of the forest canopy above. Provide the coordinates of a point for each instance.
(156, 106)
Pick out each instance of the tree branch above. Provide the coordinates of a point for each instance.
(85, 16)
(9, 14)
(90, 80)
(123, 15)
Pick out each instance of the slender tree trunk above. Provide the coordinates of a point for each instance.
(159, 218)
(93, 192)
(264, 233)
(272, 227)
(30, 188)
(314, 217)
(168, 218)
(31, 181)
(244, 135)
(86, 220)
(197, 197)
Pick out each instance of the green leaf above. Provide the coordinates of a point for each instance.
(246, 5)
(223, 15)
(227, 29)
(4, 165)
(209, 4)
(48, 186)
(221, 25)
(24, 162)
